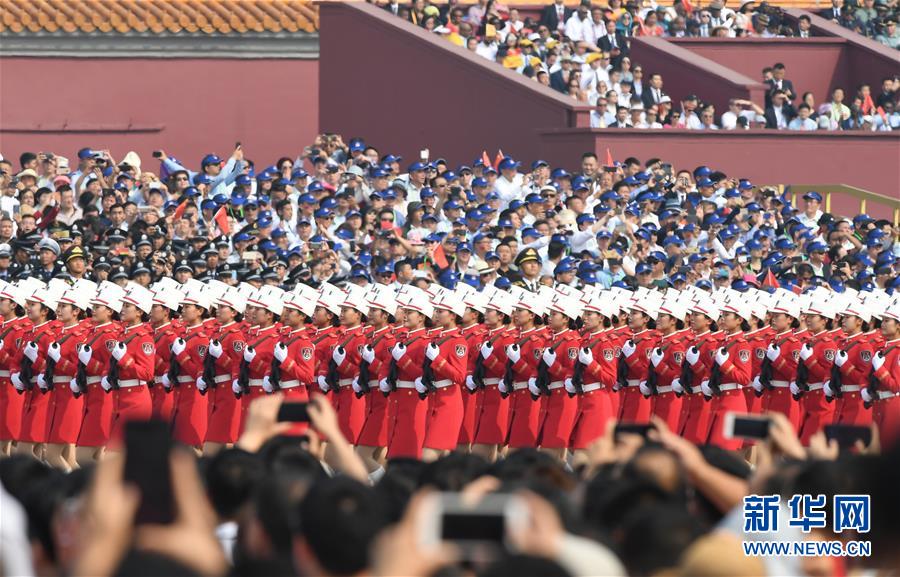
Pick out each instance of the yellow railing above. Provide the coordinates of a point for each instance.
(827, 190)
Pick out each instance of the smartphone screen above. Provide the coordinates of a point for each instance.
(147, 448)
(633, 428)
(747, 427)
(473, 526)
(293, 413)
(847, 435)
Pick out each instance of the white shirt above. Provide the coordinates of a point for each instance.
(779, 117)
(575, 27)
(803, 124)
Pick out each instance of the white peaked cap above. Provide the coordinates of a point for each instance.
(49, 296)
(502, 302)
(706, 306)
(85, 285)
(192, 295)
(858, 308)
(416, 299)
(233, 298)
(877, 302)
(892, 311)
(436, 291)
(380, 296)
(530, 301)
(820, 305)
(674, 307)
(356, 299)
(303, 302)
(216, 289)
(738, 305)
(192, 284)
(79, 296)
(787, 303)
(760, 305)
(546, 295)
(166, 282)
(268, 297)
(450, 301)
(140, 297)
(647, 302)
(309, 292)
(330, 299)
(567, 305)
(570, 291)
(109, 295)
(474, 299)
(15, 293)
(30, 284)
(168, 295)
(246, 289)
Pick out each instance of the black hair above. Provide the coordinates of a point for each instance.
(521, 564)
(453, 472)
(231, 477)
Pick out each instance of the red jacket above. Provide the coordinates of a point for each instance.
(819, 364)
(263, 344)
(231, 338)
(452, 361)
(889, 374)
(784, 368)
(300, 362)
(102, 341)
(669, 369)
(738, 368)
(531, 347)
(323, 341)
(565, 345)
(140, 354)
(475, 337)
(605, 347)
(409, 367)
(352, 340)
(639, 362)
(382, 341)
(495, 365)
(191, 358)
(68, 341)
(163, 336)
(858, 366)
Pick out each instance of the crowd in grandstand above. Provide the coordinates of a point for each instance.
(308, 262)
(585, 53)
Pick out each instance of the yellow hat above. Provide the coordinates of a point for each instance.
(513, 61)
(593, 56)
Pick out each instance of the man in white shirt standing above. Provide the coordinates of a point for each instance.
(578, 23)
(812, 200)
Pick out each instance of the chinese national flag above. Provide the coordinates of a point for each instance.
(221, 218)
(770, 281)
(179, 210)
(439, 258)
(609, 158)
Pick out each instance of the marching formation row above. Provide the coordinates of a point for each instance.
(416, 372)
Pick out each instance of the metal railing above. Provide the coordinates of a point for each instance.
(827, 190)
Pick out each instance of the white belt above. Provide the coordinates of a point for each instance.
(4, 373)
(780, 384)
(885, 395)
(520, 386)
(661, 390)
(592, 387)
(816, 386)
(221, 378)
(373, 384)
(187, 379)
(289, 384)
(633, 382)
(442, 383)
(61, 379)
(130, 383)
(250, 382)
(406, 384)
(850, 388)
(556, 385)
(695, 390)
(345, 382)
(729, 387)
(92, 380)
(491, 381)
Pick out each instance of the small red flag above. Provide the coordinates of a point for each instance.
(179, 210)
(770, 281)
(497, 159)
(221, 218)
(485, 158)
(688, 7)
(439, 258)
(609, 158)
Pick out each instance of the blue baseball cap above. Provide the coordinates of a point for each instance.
(507, 163)
(416, 167)
(479, 182)
(210, 159)
(812, 195)
(643, 268)
(243, 180)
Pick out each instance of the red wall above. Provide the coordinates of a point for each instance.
(189, 106)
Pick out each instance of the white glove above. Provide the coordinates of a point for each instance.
(866, 395)
(73, 386)
(533, 388)
(840, 358)
(773, 352)
(628, 348)
(355, 384)
(705, 388)
(549, 357)
(398, 351)
(31, 351)
(487, 349)
(384, 386)
(323, 386)
(878, 361)
(645, 389)
(84, 354)
(721, 356)
(585, 356)
(215, 348)
(53, 351)
(201, 383)
(432, 351)
(17, 382)
(501, 386)
(104, 382)
(1, 344)
(513, 353)
(166, 383)
(692, 355)
(236, 388)
(119, 351)
(806, 351)
(656, 356)
(338, 355)
(249, 354)
(42, 382)
(178, 346)
(570, 387)
(420, 386)
(757, 385)
(470, 383)
(676, 386)
(368, 354)
(829, 392)
(267, 384)
(280, 353)
(795, 389)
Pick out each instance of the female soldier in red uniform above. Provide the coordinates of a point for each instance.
(472, 329)
(493, 410)
(695, 409)
(884, 395)
(759, 337)
(93, 358)
(189, 418)
(854, 362)
(15, 324)
(735, 372)
(636, 354)
(132, 364)
(560, 357)
(326, 321)
(266, 305)
(523, 356)
(166, 328)
(817, 356)
(345, 355)
(666, 360)
(782, 355)
(293, 360)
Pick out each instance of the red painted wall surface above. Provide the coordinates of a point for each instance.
(189, 106)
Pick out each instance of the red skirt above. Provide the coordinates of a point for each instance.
(492, 423)
(754, 403)
(524, 419)
(594, 411)
(375, 430)
(470, 410)
(67, 413)
(851, 411)
(406, 425)
(817, 412)
(667, 406)
(189, 421)
(886, 414)
(163, 402)
(98, 414)
(351, 413)
(559, 420)
(35, 418)
(780, 400)
(444, 419)
(696, 413)
(131, 404)
(12, 404)
(224, 419)
(728, 402)
(635, 407)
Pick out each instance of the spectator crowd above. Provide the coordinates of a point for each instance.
(615, 233)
